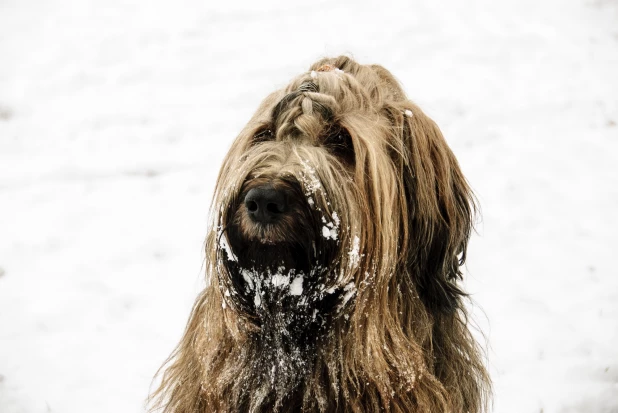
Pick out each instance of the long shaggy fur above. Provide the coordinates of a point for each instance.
(351, 302)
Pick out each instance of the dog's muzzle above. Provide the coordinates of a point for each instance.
(272, 225)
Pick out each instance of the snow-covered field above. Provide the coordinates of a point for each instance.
(115, 115)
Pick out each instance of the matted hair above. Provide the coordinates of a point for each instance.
(387, 214)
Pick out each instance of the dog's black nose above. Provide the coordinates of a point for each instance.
(265, 204)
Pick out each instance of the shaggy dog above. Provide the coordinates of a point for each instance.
(340, 221)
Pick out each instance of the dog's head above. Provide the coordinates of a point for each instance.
(340, 221)
(336, 180)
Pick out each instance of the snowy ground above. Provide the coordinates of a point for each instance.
(115, 115)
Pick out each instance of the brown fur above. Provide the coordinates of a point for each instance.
(381, 330)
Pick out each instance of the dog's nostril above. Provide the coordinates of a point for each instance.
(274, 208)
(252, 206)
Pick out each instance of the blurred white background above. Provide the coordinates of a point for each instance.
(115, 116)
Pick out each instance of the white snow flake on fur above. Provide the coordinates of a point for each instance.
(309, 179)
(246, 275)
(280, 280)
(296, 288)
(330, 230)
(350, 290)
(336, 219)
(325, 232)
(354, 254)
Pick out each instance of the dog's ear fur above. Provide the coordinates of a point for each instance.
(441, 207)
(438, 205)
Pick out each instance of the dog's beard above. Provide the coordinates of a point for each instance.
(282, 281)
(277, 277)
